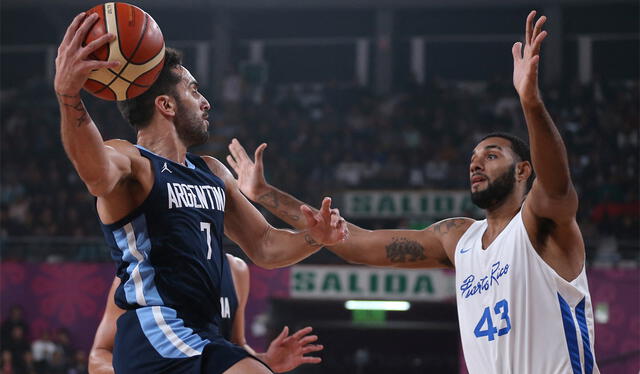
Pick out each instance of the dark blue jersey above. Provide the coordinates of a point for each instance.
(169, 250)
(228, 301)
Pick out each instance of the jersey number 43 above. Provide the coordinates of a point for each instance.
(501, 308)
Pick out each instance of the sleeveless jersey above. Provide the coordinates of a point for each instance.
(168, 251)
(228, 301)
(516, 314)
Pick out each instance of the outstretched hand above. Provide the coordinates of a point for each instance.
(525, 63)
(287, 352)
(251, 178)
(326, 226)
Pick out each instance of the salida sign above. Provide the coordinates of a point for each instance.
(426, 203)
(344, 282)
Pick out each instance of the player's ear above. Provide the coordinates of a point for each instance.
(523, 170)
(166, 105)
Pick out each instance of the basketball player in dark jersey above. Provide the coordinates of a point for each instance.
(285, 352)
(164, 212)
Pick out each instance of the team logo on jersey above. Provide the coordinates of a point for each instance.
(470, 286)
(165, 168)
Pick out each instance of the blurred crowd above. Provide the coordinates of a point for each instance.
(48, 353)
(327, 138)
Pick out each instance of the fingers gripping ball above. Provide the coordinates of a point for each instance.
(139, 46)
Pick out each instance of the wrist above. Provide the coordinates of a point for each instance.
(531, 101)
(261, 191)
(264, 357)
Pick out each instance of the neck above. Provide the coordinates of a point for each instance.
(499, 216)
(161, 138)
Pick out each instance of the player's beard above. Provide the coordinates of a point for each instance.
(497, 191)
(190, 127)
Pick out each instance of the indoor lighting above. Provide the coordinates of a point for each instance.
(377, 305)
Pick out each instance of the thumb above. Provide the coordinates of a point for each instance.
(258, 155)
(283, 333)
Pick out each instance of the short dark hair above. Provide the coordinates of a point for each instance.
(519, 147)
(139, 110)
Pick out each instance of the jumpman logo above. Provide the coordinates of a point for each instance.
(165, 168)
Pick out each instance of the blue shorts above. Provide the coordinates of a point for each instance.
(155, 340)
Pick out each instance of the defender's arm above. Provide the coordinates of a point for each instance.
(100, 166)
(553, 195)
(431, 247)
(101, 355)
(267, 246)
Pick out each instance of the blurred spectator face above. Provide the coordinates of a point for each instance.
(492, 172)
(17, 333)
(16, 313)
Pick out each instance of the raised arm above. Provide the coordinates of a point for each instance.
(101, 355)
(100, 166)
(267, 246)
(552, 195)
(429, 248)
(286, 352)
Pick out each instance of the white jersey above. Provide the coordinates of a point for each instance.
(516, 314)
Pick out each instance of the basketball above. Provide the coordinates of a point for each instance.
(139, 46)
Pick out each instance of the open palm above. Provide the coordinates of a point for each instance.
(251, 179)
(525, 63)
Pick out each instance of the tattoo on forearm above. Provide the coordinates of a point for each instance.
(74, 102)
(272, 202)
(405, 250)
(311, 241)
(445, 226)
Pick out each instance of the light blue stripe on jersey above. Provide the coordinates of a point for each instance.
(133, 240)
(570, 335)
(168, 334)
(586, 343)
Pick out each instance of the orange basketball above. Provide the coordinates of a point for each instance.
(139, 46)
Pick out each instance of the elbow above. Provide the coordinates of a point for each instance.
(98, 187)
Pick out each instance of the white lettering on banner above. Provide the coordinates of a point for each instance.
(427, 203)
(343, 282)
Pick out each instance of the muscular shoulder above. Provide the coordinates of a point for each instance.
(123, 146)
(218, 168)
(451, 226)
(237, 264)
(449, 231)
(240, 274)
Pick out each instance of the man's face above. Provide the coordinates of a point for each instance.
(492, 172)
(192, 111)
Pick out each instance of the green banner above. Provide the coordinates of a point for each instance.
(408, 204)
(357, 282)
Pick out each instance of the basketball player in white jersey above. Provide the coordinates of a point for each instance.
(522, 294)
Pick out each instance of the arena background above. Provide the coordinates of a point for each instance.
(376, 103)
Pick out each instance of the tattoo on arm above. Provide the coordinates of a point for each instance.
(405, 250)
(287, 205)
(445, 226)
(74, 102)
(310, 241)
